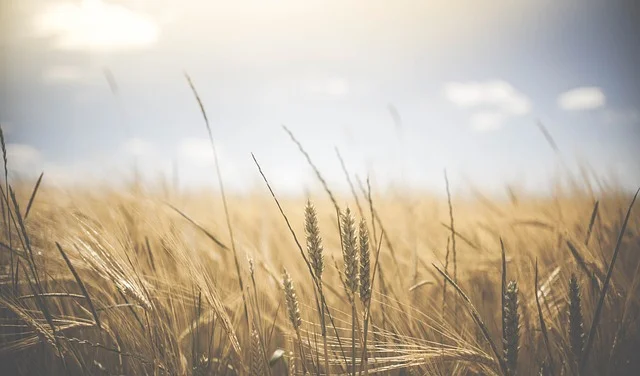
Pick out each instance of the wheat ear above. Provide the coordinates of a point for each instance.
(510, 334)
(293, 309)
(349, 253)
(365, 283)
(257, 357)
(365, 272)
(576, 326)
(316, 259)
(314, 241)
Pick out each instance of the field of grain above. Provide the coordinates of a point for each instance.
(146, 281)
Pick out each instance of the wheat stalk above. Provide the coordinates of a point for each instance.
(365, 283)
(453, 241)
(511, 335)
(576, 326)
(257, 357)
(350, 254)
(316, 259)
(314, 241)
(293, 309)
(365, 272)
(605, 287)
(351, 278)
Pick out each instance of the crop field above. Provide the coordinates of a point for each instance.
(319, 187)
(140, 280)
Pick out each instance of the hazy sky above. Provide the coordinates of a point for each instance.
(467, 78)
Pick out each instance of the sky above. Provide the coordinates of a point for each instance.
(403, 89)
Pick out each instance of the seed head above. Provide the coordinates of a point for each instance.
(257, 358)
(292, 300)
(349, 253)
(314, 241)
(511, 335)
(252, 268)
(365, 276)
(576, 329)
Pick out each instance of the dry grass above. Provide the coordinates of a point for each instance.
(117, 282)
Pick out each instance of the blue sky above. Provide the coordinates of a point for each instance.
(468, 79)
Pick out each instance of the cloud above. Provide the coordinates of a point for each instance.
(195, 164)
(581, 98)
(494, 93)
(196, 150)
(486, 121)
(500, 96)
(83, 172)
(95, 25)
(334, 87)
(23, 158)
(64, 74)
(137, 147)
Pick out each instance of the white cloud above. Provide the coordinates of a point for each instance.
(95, 25)
(137, 147)
(65, 74)
(196, 150)
(23, 158)
(486, 121)
(503, 100)
(581, 98)
(496, 93)
(337, 87)
(114, 170)
(334, 87)
(195, 162)
(60, 175)
(84, 172)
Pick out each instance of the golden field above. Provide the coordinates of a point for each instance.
(138, 281)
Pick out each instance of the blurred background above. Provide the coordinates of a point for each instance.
(93, 90)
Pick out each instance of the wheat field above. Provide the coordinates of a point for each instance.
(142, 280)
